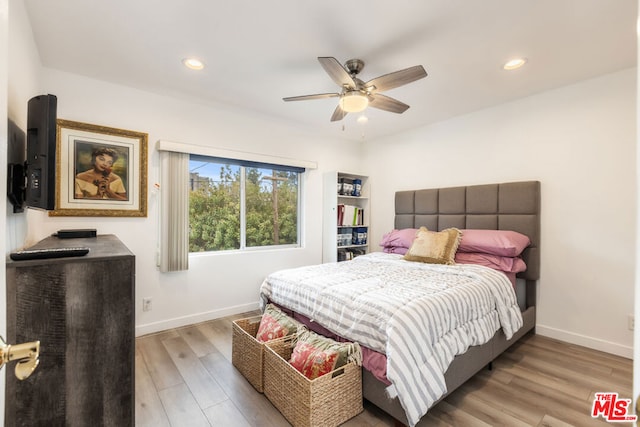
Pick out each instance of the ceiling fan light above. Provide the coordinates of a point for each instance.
(354, 102)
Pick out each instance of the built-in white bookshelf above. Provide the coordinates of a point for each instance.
(349, 237)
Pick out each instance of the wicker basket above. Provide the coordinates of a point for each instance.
(246, 351)
(326, 401)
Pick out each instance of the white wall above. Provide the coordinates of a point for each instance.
(216, 284)
(18, 82)
(23, 66)
(579, 141)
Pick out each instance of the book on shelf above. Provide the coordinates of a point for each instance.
(349, 215)
(349, 254)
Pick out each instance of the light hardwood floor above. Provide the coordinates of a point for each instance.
(184, 377)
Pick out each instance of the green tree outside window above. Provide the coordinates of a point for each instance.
(271, 199)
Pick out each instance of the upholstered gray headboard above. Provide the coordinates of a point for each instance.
(507, 206)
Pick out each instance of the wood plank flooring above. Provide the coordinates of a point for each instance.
(184, 378)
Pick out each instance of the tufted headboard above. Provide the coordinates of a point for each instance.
(507, 206)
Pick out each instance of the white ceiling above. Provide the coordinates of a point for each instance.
(257, 52)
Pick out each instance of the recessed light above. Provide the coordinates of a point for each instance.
(193, 63)
(514, 64)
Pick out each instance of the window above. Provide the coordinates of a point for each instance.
(242, 189)
(237, 204)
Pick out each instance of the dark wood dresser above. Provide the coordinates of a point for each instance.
(82, 311)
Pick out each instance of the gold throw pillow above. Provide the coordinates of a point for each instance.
(434, 247)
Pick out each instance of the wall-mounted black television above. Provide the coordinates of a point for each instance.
(32, 184)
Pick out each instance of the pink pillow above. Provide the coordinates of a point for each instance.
(399, 238)
(506, 264)
(496, 242)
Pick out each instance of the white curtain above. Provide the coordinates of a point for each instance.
(174, 211)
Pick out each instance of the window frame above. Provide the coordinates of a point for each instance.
(244, 164)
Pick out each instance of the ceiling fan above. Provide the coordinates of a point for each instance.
(356, 95)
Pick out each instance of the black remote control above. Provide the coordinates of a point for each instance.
(48, 253)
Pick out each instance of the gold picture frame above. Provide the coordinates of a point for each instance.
(100, 171)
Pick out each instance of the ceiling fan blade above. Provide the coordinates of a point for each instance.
(336, 71)
(338, 114)
(307, 97)
(398, 78)
(387, 103)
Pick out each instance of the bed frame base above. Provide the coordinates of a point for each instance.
(462, 368)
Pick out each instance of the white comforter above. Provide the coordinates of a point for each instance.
(420, 315)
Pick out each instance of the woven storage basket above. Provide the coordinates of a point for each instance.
(326, 401)
(247, 352)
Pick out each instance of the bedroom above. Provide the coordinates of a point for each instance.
(578, 140)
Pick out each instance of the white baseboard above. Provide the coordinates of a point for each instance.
(191, 319)
(585, 341)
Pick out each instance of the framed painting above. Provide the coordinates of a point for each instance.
(100, 171)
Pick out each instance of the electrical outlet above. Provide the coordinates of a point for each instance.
(631, 322)
(146, 304)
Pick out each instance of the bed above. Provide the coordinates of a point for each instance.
(506, 206)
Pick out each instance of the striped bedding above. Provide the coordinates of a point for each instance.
(420, 315)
